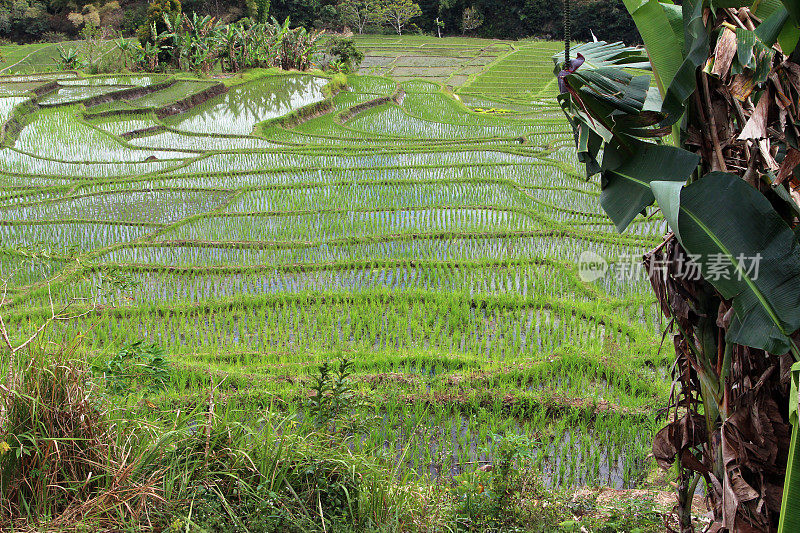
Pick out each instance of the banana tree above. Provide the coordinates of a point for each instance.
(202, 43)
(714, 143)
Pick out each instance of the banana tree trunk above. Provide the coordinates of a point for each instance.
(729, 423)
(790, 514)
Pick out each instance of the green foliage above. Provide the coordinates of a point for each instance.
(63, 457)
(258, 10)
(346, 55)
(629, 516)
(54, 37)
(134, 18)
(508, 494)
(28, 19)
(472, 19)
(23, 18)
(334, 404)
(544, 18)
(743, 223)
(136, 367)
(52, 434)
(69, 59)
(338, 83)
(199, 43)
(159, 12)
(359, 14)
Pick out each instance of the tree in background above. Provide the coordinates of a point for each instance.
(398, 13)
(346, 56)
(89, 15)
(306, 13)
(472, 19)
(109, 14)
(27, 18)
(360, 13)
(155, 23)
(258, 10)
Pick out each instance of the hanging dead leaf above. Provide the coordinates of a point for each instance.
(790, 163)
(725, 315)
(756, 127)
(742, 87)
(724, 53)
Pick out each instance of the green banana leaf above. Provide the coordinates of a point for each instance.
(769, 30)
(664, 47)
(720, 216)
(626, 177)
(590, 134)
(696, 48)
(793, 6)
(790, 34)
(764, 8)
(613, 87)
(605, 101)
(675, 16)
(745, 41)
(600, 54)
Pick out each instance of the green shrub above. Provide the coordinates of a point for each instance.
(334, 404)
(136, 366)
(258, 10)
(69, 59)
(68, 457)
(156, 12)
(509, 494)
(346, 57)
(133, 18)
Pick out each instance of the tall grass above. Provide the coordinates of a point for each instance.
(73, 454)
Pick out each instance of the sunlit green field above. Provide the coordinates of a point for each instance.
(433, 235)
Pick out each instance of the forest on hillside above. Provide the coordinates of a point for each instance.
(56, 20)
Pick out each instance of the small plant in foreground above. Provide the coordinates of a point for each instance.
(507, 495)
(51, 434)
(137, 366)
(631, 516)
(334, 403)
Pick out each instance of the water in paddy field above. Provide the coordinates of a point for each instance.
(436, 244)
(242, 107)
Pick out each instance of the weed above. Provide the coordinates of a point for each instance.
(136, 366)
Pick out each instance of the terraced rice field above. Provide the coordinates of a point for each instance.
(434, 241)
(39, 57)
(452, 60)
